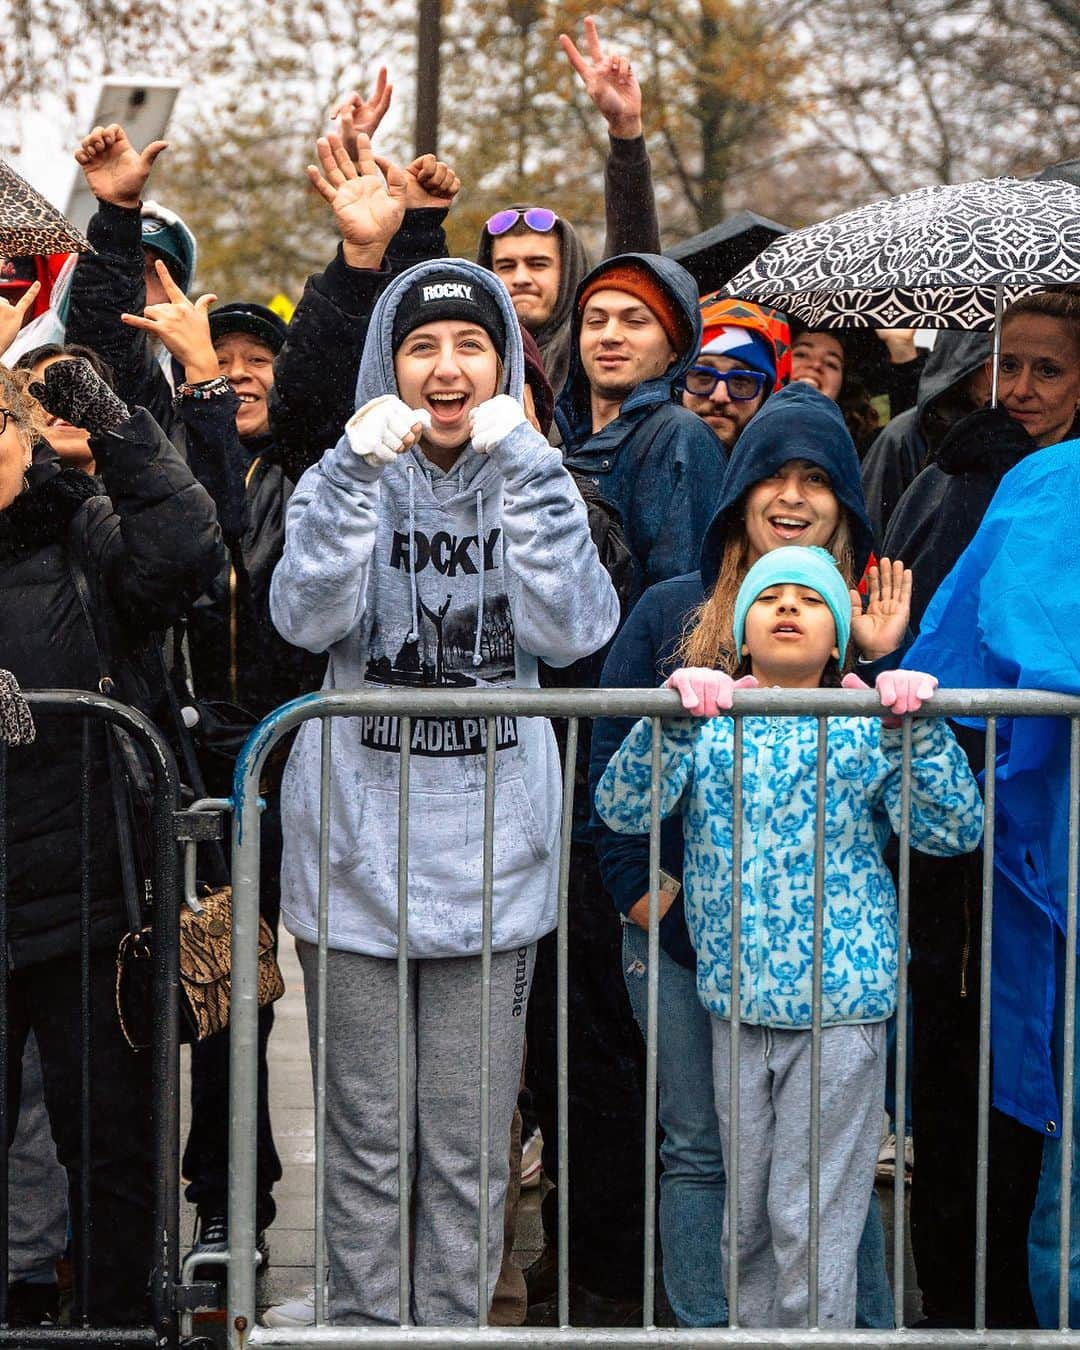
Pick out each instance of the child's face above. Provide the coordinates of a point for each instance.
(789, 636)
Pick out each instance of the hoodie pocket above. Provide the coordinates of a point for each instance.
(446, 837)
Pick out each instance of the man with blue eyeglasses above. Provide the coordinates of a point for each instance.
(745, 355)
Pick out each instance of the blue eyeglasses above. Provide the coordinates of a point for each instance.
(741, 385)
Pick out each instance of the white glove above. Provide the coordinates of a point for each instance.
(380, 429)
(493, 421)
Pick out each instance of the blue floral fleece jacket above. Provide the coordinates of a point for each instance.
(779, 781)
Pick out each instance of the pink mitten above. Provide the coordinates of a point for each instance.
(706, 692)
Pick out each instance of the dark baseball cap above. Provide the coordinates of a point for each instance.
(256, 320)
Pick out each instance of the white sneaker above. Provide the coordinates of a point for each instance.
(532, 1167)
(909, 1157)
(886, 1159)
(298, 1312)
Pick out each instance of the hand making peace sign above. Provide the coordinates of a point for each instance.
(609, 81)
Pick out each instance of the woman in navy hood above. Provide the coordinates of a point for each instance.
(793, 478)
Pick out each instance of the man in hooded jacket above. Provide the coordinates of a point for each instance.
(952, 384)
(654, 460)
(660, 466)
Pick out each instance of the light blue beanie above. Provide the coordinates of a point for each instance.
(812, 567)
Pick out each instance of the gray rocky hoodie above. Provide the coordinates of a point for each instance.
(409, 578)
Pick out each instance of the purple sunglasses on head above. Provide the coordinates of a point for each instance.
(538, 218)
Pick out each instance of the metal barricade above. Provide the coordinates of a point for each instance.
(90, 713)
(573, 705)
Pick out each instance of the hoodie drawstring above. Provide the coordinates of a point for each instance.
(414, 631)
(477, 659)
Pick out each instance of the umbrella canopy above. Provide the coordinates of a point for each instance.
(932, 258)
(30, 225)
(718, 253)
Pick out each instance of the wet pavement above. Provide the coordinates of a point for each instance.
(292, 1236)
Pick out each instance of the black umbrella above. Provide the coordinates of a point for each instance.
(718, 253)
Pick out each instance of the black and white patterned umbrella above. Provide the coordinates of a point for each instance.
(933, 258)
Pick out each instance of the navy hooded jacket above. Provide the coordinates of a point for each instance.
(797, 422)
(657, 463)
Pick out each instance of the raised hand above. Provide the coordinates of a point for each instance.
(114, 170)
(706, 692)
(183, 328)
(899, 343)
(12, 316)
(361, 116)
(882, 626)
(369, 205)
(72, 390)
(609, 81)
(429, 182)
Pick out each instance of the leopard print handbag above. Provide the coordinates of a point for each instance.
(205, 972)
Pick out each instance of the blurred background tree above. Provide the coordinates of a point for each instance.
(796, 110)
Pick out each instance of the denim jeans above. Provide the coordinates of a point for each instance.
(693, 1187)
(1043, 1231)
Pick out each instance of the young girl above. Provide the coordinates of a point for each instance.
(791, 627)
(439, 545)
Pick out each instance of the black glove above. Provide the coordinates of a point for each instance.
(73, 390)
(985, 441)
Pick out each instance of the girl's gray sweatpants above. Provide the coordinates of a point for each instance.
(444, 1127)
(774, 1164)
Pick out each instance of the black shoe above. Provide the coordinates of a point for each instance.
(587, 1309)
(212, 1238)
(542, 1277)
(32, 1305)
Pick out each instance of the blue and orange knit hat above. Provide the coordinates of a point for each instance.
(754, 334)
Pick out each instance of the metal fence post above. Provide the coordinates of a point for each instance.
(243, 1044)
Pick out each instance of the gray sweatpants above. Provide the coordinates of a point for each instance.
(444, 1127)
(774, 1164)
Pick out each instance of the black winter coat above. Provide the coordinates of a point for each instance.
(147, 549)
(938, 515)
(236, 654)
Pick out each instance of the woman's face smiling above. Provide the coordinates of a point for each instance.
(818, 359)
(796, 505)
(447, 368)
(1039, 376)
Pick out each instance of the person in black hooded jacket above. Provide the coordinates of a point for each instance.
(241, 669)
(953, 383)
(145, 550)
(934, 521)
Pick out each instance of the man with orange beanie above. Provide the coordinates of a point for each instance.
(636, 331)
(636, 328)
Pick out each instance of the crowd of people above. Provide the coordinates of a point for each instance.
(517, 471)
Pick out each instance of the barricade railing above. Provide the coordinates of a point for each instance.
(88, 711)
(486, 706)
